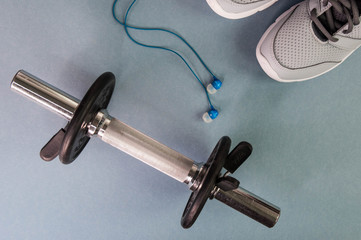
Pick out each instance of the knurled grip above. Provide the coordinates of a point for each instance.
(147, 150)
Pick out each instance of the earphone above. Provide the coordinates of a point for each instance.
(211, 88)
(214, 86)
(210, 115)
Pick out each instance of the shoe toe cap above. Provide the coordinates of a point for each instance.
(289, 51)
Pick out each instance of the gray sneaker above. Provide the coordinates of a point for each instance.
(234, 9)
(310, 39)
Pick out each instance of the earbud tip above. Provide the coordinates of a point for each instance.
(210, 115)
(211, 89)
(206, 118)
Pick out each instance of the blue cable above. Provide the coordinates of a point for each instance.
(126, 26)
(163, 30)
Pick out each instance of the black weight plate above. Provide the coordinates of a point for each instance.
(208, 175)
(96, 98)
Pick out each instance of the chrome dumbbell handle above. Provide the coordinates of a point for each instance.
(44, 94)
(249, 204)
(109, 129)
(140, 146)
(149, 151)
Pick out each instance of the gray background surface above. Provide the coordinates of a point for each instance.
(306, 136)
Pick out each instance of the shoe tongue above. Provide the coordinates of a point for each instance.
(330, 18)
(316, 4)
(338, 16)
(341, 17)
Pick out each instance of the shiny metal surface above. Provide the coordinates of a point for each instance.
(147, 150)
(109, 129)
(44, 94)
(142, 147)
(99, 124)
(192, 175)
(250, 205)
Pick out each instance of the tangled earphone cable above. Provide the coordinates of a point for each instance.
(211, 88)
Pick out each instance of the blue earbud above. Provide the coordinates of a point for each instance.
(210, 115)
(214, 86)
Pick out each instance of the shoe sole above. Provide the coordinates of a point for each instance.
(267, 67)
(220, 11)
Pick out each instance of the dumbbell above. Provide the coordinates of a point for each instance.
(89, 117)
